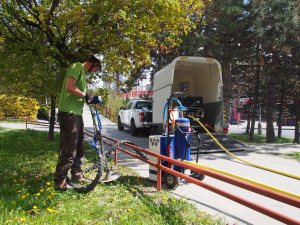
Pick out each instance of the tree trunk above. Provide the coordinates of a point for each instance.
(296, 139)
(256, 97)
(248, 122)
(52, 118)
(270, 107)
(280, 111)
(227, 85)
(252, 109)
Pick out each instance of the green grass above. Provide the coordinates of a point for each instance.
(27, 195)
(258, 139)
(2, 128)
(293, 155)
(12, 121)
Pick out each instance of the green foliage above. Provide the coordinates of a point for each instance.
(293, 155)
(19, 107)
(256, 43)
(2, 128)
(126, 100)
(104, 93)
(27, 193)
(41, 39)
(43, 113)
(115, 102)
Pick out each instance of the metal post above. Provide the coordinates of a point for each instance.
(259, 130)
(116, 156)
(159, 174)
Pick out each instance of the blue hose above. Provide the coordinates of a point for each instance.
(99, 121)
(93, 143)
(180, 107)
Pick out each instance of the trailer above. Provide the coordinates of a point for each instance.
(199, 80)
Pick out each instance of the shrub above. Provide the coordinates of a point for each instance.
(18, 106)
(43, 113)
(104, 93)
(116, 102)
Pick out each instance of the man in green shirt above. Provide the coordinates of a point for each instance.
(71, 147)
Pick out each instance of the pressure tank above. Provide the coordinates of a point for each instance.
(182, 140)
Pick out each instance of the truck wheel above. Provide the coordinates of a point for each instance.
(198, 176)
(171, 180)
(120, 127)
(133, 129)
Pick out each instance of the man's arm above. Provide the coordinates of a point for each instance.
(71, 87)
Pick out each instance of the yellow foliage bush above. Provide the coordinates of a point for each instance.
(18, 106)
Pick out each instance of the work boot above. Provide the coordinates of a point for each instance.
(80, 178)
(63, 186)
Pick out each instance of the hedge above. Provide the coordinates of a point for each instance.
(18, 107)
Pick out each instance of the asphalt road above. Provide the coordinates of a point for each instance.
(230, 212)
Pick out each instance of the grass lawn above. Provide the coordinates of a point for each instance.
(294, 155)
(2, 128)
(27, 195)
(12, 121)
(258, 139)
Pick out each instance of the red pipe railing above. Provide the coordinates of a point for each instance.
(251, 187)
(45, 124)
(268, 193)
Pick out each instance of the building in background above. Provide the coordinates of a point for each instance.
(142, 86)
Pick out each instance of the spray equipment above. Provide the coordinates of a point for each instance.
(168, 109)
(175, 141)
(95, 170)
(181, 130)
(182, 140)
(110, 176)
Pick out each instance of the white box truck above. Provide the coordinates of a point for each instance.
(199, 79)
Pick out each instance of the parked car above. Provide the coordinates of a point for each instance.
(134, 115)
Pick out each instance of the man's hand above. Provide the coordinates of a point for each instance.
(88, 99)
(92, 99)
(97, 100)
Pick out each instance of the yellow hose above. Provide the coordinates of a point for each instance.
(252, 164)
(245, 179)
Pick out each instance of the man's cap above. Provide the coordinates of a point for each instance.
(93, 59)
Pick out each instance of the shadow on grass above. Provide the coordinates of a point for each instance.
(171, 210)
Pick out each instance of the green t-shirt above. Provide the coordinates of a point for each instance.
(69, 102)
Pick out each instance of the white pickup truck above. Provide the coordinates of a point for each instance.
(134, 115)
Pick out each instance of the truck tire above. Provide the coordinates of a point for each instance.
(120, 127)
(133, 129)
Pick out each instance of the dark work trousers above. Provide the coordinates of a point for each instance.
(71, 147)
